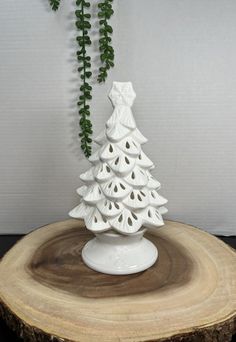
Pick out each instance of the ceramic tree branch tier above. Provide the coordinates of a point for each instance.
(119, 199)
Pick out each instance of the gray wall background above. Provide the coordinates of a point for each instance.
(180, 56)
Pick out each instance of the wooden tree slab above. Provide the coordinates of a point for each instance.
(48, 294)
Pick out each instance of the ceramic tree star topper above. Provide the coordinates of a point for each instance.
(119, 199)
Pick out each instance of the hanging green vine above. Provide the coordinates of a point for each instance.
(105, 47)
(54, 4)
(106, 55)
(83, 25)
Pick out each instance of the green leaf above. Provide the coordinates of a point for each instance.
(101, 15)
(102, 40)
(109, 28)
(54, 4)
(111, 12)
(80, 58)
(87, 87)
(103, 57)
(86, 24)
(78, 13)
(81, 43)
(110, 48)
(79, 25)
(82, 88)
(79, 38)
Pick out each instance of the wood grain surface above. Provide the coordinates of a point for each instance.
(189, 294)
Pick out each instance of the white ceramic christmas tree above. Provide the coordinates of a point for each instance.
(119, 199)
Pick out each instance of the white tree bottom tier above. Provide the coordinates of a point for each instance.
(113, 253)
(47, 293)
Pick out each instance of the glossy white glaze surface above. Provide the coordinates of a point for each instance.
(118, 254)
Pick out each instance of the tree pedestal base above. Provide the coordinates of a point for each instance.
(47, 293)
(116, 254)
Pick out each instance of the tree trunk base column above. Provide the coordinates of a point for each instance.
(113, 253)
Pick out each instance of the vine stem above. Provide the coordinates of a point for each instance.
(84, 55)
